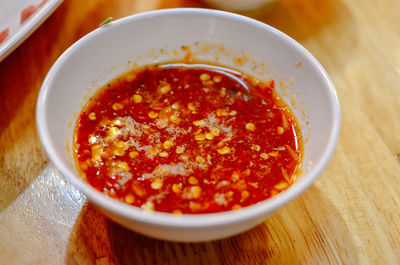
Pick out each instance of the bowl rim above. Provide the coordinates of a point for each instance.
(258, 210)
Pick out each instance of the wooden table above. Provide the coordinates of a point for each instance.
(350, 216)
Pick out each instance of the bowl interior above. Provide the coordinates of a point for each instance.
(158, 36)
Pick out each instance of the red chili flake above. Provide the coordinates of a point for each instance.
(4, 35)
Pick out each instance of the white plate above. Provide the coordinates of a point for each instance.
(10, 17)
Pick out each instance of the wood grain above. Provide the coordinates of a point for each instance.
(350, 216)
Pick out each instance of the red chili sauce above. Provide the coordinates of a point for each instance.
(188, 138)
(4, 35)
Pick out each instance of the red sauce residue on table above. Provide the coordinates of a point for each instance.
(27, 12)
(3, 35)
(188, 139)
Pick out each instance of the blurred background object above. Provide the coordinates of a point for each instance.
(238, 5)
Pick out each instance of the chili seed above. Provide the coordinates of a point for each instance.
(200, 137)
(217, 78)
(195, 191)
(123, 165)
(156, 184)
(129, 199)
(117, 106)
(222, 93)
(153, 114)
(221, 112)
(139, 191)
(255, 147)
(97, 150)
(250, 126)
(200, 159)
(174, 119)
(133, 154)
(224, 150)
(148, 206)
(274, 193)
(193, 180)
(273, 154)
(215, 131)
(168, 143)
(165, 88)
(153, 151)
(176, 188)
(254, 184)
(204, 77)
(121, 144)
(199, 122)
(191, 106)
(233, 113)
(179, 150)
(92, 116)
(236, 207)
(113, 132)
(281, 185)
(194, 206)
(137, 98)
(118, 152)
(163, 154)
(209, 136)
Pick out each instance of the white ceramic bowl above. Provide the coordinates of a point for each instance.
(108, 51)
